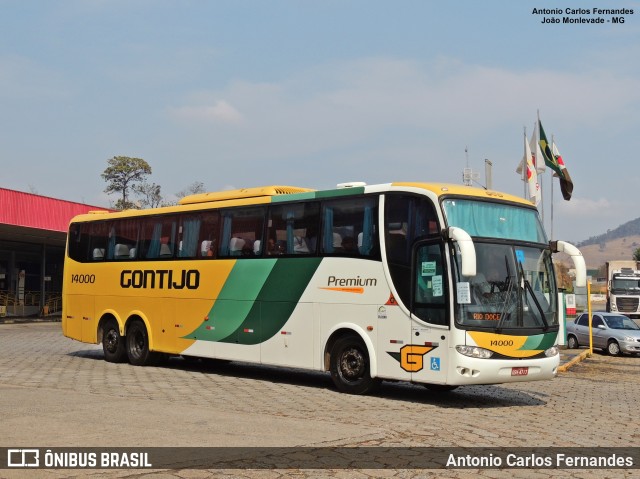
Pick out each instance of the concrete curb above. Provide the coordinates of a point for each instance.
(580, 357)
(30, 319)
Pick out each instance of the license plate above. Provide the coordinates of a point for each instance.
(520, 371)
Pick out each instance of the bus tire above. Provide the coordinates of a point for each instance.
(138, 345)
(113, 344)
(350, 367)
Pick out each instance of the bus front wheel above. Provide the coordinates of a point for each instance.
(138, 345)
(113, 345)
(350, 366)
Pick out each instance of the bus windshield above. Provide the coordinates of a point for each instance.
(494, 220)
(512, 290)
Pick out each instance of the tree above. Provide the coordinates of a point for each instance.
(562, 276)
(636, 254)
(150, 195)
(193, 189)
(122, 174)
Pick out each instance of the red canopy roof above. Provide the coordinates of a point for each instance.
(34, 211)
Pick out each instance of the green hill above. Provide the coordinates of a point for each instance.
(631, 228)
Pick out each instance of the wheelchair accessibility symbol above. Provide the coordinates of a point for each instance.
(412, 357)
(435, 364)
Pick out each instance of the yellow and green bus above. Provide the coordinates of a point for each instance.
(443, 285)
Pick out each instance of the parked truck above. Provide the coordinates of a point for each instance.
(623, 288)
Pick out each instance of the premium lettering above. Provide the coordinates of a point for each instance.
(347, 282)
(160, 279)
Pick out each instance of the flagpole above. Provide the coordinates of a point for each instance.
(552, 196)
(541, 196)
(536, 133)
(524, 165)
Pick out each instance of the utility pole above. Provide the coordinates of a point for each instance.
(488, 178)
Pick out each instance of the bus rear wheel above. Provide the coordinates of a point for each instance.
(138, 345)
(349, 365)
(113, 345)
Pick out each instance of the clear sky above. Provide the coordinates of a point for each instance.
(314, 93)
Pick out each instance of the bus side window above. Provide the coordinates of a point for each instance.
(79, 242)
(292, 229)
(209, 233)
(349, 227)
(396, 243)
(189, 233)
(157, 237)
(242, 230)
(123, 237)
(98, 239)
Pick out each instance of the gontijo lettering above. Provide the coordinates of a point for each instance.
(160, 278)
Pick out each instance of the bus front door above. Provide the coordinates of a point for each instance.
(427, 357)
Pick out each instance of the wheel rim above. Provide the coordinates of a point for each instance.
(111, 340)
(137, 344)
(614, 349)
(352, 364)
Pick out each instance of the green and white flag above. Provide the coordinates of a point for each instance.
(556, 164)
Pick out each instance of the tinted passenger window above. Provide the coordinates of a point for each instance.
(188, 236)
(293, 229)
(242, 232)
(157, 237)
(209, 233)
(123, 240)
(349, 227)
(79, 240)
(98, 237)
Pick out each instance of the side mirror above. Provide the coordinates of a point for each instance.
(467, 250)
(576, 256)
(601, 326)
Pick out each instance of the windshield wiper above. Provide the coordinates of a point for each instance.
(509, 279)
(527, 288)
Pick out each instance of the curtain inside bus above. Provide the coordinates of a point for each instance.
(494, 220)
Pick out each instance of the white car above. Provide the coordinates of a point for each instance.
(612, 332)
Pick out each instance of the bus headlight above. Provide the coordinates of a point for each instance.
(474, 352)
(552, 351)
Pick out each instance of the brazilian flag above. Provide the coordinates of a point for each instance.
(551, 160)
